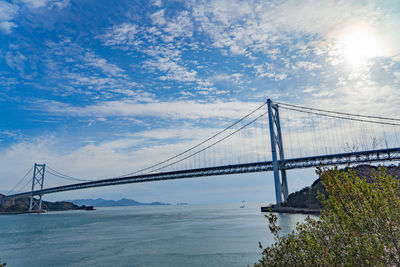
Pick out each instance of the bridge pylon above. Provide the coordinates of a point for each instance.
(280, 180)
(37, 180)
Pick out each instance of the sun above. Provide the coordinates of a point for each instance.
(358, 44)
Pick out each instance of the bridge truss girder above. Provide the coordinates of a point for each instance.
(390, 154)
(343, 158)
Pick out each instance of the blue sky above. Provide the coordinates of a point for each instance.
(89, 86)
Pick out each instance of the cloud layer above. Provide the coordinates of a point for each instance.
(101, 82)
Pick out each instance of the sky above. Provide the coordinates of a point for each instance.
(101, 88)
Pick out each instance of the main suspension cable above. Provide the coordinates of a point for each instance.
(341, 117)
(67, 177)
(199, 144)
(20, 181)
(213, 144)
(64, 176)
(337, 112)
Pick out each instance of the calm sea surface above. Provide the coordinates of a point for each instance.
(193, 235)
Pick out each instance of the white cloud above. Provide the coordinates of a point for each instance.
(180, 26)
(8, 12)
(173, 70)
(168, 60)
(7, 26)
(157, 3)
(173, 110)
(88, 73)
(35, 3)
(16, 61)
(268, 70)
(309, 89)
(307, 65)
(358, 98)
(123, 34)
(177, 26)
(93, 60)
(163, 57)
(295, 35)
(60, 3)
(46, 3)
(158, 17)
(233, 78)
(8, 133)
(247, 27)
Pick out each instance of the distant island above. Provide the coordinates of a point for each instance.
(21, 205)
(99, 202)
(305, 200)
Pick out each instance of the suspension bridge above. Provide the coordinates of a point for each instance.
(273, 137)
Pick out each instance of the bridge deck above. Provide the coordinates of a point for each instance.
(295, 163)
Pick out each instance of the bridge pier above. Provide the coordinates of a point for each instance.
(280, 179)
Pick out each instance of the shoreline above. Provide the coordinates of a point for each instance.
(22, 212)
(84, 208)
(280, 209)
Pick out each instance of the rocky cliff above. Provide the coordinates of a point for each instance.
(305, 200)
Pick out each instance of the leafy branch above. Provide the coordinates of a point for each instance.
(360, 225)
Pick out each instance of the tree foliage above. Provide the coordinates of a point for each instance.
(360, 225)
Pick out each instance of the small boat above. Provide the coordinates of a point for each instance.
(243, 204)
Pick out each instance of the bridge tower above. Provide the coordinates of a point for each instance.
(38, 179)
(280, 180)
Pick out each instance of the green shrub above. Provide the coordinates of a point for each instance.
(360, 225)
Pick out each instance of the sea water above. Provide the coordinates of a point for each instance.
(192, 235)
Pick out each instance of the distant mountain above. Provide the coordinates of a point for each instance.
(99, 202)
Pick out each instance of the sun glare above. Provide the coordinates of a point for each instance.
(359, 44)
